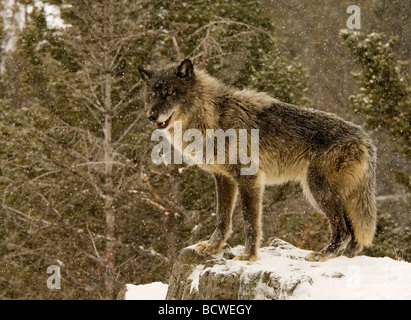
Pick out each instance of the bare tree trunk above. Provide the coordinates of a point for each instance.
(108, 201)
(108, 169)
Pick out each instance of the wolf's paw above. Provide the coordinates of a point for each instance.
(319, 256)
(352, 249)
(207, 248)
(246, 257)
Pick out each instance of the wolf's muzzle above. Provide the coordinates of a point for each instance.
(152, 117)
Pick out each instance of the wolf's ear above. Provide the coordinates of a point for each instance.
(145, 74)
(185, 69)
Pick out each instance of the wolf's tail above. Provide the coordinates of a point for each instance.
(360, 204)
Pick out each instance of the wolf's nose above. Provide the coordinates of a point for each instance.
(152, 118)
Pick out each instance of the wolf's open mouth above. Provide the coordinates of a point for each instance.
(163, 125)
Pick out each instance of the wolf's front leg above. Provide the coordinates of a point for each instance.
(251, 190)
(226, 190)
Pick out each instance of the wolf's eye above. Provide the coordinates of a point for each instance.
(170, 92)
(152, 95)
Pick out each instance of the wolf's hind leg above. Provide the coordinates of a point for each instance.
(329, 200)
(353, 248)
(226, 190)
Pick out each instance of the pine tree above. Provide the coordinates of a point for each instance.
(235, 41)
(385, 96)
(74, 137)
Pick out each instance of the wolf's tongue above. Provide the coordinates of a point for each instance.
(160, 124)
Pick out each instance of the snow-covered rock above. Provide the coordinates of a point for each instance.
(281, 272)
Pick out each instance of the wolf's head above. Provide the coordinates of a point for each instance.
(168, 91)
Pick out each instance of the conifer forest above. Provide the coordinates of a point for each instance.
(78, 188)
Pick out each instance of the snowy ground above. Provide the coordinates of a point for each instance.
(151, 291)
(358, 278)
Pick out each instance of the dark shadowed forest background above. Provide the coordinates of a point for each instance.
(77, 185)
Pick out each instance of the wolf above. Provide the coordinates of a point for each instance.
(333, 160)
